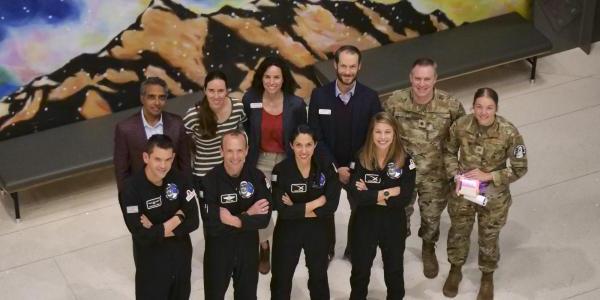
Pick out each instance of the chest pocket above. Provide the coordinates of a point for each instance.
(411, 125)
(437, 125)
(470, 149)
(494, 151)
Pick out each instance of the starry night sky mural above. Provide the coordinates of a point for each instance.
(69, 60)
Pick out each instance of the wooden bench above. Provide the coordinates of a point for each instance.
(70, 150)
(458, 51)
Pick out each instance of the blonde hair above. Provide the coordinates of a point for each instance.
(367, 154)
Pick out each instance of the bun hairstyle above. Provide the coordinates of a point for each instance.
(486, 92)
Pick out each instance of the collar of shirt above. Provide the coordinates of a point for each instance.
(493, 130)
(344, 97)
(152, 130)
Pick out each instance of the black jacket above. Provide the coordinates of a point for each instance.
(377, 180)
(287, 179)
(321, 117)
(221, 190)
(294, 114)
(158, 204)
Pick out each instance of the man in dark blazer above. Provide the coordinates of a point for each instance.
(132, 133)
(339, 112)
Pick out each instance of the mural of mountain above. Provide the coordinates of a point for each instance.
(181, 46)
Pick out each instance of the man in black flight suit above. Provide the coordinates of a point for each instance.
(159, 207)
(237, 204)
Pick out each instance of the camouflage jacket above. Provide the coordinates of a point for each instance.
(499, 150)
(424, 128)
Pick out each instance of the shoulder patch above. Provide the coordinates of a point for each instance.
(520, 151)
(411, 164)
(190, 194)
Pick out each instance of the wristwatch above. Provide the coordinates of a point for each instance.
(386, 194)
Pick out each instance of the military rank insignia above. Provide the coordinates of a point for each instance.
(171, 191)
(478, 149)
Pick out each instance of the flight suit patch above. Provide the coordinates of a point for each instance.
(134, 209)
(372, 178)
(246, 189)
(228, 198)
(298, 188)
(412, 164)
(191, 194)
(171, 191)
(154, 203)
(393, 172)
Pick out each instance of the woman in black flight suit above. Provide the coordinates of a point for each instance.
(304, 192)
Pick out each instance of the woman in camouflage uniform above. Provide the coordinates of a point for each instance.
(488, 148)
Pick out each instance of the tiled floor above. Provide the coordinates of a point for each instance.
(72, 243)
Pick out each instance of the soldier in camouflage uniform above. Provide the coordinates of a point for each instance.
(424, 116)
(488, 148)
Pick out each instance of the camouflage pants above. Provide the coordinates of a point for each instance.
(490, 219)
(432, 194)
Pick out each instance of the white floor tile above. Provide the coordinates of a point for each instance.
(561, 148)
(39, 280)
(552, 102)
(549, 245)
(588, 295)
(61, 236)
(104, 271)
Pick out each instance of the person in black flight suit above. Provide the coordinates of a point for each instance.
(237, 204)
(159, 208)
(305, 195)
(382, 183)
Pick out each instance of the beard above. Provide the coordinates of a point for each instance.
(341, 79)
